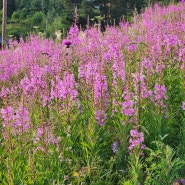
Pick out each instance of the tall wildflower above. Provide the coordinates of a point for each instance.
(128, 103)
(7, 125)
(22, 120)
(64, 88)
(44, 137)
(114, 147)
(183, 105)
(7, 115)
(35, 82)
(64, 92)
(100, 97)
(136, 140)
(118, 66)
(160, 95)
(100, 117)
(15, 123)
(100, 90)
(73, 35)
(127, 108)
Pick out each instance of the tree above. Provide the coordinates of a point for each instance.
(36, 5)
(10, 7)
(1, 4)
(86, 11)
(56, 7)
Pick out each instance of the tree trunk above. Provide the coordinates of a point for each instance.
(4, 24)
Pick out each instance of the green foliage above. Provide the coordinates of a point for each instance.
(15, 30)
(83, 154)
(37, 18)
(111, 11)
(1, 15)
(127, 183)
(36, 5)
(10, 7)
(162, 165)
(16, 16)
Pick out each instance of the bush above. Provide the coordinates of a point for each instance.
(16, 16)
(37, 18)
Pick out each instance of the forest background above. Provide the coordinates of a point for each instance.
(48, 16)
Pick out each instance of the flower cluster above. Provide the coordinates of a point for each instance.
(22, 120)
(136, 140)
(114, 147)
(127, 108)
(15, 123)
(8, 116)
(44, 137)
(64, 89)
(160, 95)
(183, 105)
(100, 117)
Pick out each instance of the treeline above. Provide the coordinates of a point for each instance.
(50, 15)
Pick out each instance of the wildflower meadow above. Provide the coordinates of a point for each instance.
(97, 108)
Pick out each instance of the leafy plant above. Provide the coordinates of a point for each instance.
(162, 164)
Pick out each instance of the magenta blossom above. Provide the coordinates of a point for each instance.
(183, 105)
(136, 140)
(44, 137)
(114, 147)
(100, 117)
(16, 122)
(67, 43)
(7, 113)
(127, 108)
(22, 120)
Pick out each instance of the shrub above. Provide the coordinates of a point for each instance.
(16, 16)
(37, 18)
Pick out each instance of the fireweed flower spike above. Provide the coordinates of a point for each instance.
(100, 117)
(183, 181)
(136, 140)
(127, 108)
(44, 137)
(18, 123)
(22, 120)
(114, 147)
(183, 105)
(107, 78)
(7, 114)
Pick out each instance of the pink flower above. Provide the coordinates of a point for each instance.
(44, 135)
(22, 120)
(114, 147)
(7, 113)
(100, 117)
(127, 107)
(160, 91)
(18, 123)
(64, 89)
(101, 90)
(183, 105)
(136, 140)
(67, 43)
(159, 95)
